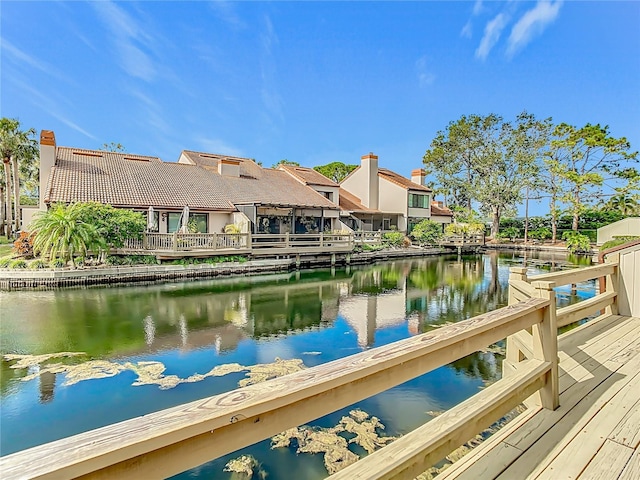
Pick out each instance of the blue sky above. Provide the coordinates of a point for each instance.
(312, 82)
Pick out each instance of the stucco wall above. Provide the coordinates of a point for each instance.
(357, 184)
(626, 226)
(393, 198)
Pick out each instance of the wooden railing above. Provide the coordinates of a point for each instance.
(522, 288)
(370, 238)
(474, 239)
(170, 441)
(305, 241)
(190, 241)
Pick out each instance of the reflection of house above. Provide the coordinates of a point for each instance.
(366, 314)
(381, 199)
(218, 190)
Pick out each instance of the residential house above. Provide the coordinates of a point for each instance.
(218, 190)
(381, 199)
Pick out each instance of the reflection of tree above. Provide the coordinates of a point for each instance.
(479, 364)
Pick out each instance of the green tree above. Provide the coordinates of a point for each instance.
(60, 233)
(427, 232)
(583, 157)
(284, 161)
(487, 160)
(113, 225)
(113, 147)
(19, 149)
(336, 171)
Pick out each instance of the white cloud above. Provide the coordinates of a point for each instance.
(492, 32)
(23, 58)
(467, 30)
(216, 145)
(477, 7)
(226, 12)
(425, 77)
(131, 39)
(532, 23)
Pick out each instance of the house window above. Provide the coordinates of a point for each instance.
(417, 200)
(199, 220)
(328, 195)
(386, 224)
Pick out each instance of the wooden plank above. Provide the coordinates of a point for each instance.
(205, 429)
(520, 290)
(562, 448)
(413, 453)
(608, 463)
(632, 469)
(613, 336)
(627, 432)
(580, 310)
(577, 275)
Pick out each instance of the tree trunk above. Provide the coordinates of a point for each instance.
(495, 224)
(554, 221)
(2, 211)
(7, 198)
(16, 192)
(576, 211)
(526, 217)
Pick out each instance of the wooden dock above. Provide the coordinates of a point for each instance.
(595, 432)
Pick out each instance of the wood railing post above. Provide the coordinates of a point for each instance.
(612, 283)
(321, 239)
(545, 345)
(516, 273)
(175, 241)
(145, 242)
(286, 240)
(215, 240)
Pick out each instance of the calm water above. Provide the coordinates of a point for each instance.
(316, 316)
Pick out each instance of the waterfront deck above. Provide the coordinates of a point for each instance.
(595, 433)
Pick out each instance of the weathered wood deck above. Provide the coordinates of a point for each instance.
(595, 433)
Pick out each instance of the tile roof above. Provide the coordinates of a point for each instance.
(438, 209)
(133, 180)
(308, 175)
(401, 181)
(109, 177)
(350, 203)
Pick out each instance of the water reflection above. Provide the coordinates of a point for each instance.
(192, 327)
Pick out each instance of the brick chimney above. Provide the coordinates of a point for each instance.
(228, 167)
(369, 165)
(418, 175)
(47, 162)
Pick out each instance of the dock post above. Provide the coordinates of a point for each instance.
(545, 345)
(298, 261)
(333, 259)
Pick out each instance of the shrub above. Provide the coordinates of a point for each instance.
(5, 261)
(576, 242)
(38, 264)
(393, 239)
(23, 246)
(18, 263)
(427, 232)
(510, 232)
(618, 241)
(57, 263)
(541, 233)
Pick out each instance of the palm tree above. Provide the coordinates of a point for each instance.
(624, 203)
(16, 147)
(61, 233)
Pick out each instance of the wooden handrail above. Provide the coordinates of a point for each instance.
(164, 443)
(577, 275)
(415, 452)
